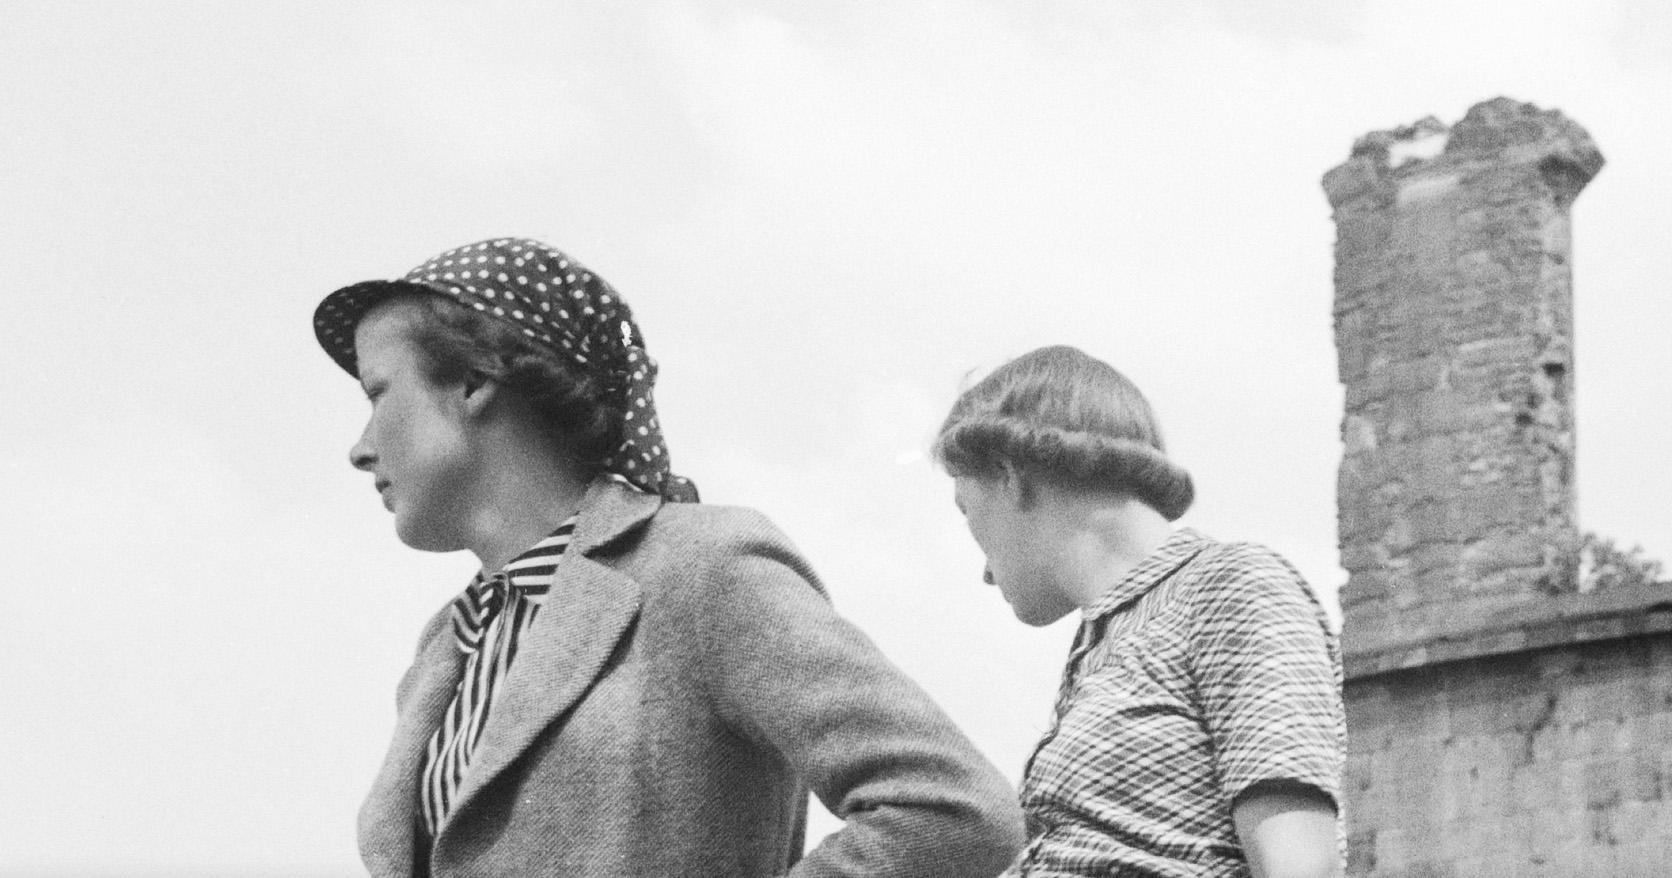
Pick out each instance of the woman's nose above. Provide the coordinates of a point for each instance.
(361, 456)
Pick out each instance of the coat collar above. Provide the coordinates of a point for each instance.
(610, 510)
(389, 818)
(588, 609)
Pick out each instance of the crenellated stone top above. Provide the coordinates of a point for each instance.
(1498, 132)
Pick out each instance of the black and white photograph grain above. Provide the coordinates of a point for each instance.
(749, 439)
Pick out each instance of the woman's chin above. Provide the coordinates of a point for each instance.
(424, 539)
(1036, 616)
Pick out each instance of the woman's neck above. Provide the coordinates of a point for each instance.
(526, 492)
(1104, 537)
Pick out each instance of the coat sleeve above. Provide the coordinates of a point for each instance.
(915, 796)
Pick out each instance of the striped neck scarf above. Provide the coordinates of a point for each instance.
(490, 618)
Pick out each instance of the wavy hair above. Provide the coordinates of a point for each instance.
(581, 408)
(1063, 416)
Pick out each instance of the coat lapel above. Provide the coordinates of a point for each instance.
(391, 810)
(585, 614)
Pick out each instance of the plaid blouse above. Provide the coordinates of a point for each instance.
(1207, 669)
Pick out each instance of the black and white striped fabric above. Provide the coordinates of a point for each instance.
(489, 618)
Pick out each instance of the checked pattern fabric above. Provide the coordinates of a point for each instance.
(1206, 670)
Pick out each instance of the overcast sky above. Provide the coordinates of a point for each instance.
(826, 215)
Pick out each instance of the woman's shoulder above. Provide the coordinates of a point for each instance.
(712, 518)
(1227, 574)
(696, 563)
(694, 539)
(1246, 600)
(697, 531)
(1227, 559)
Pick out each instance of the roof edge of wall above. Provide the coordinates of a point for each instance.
(1556, 621)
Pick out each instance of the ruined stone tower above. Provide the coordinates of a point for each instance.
(1504, 718)
(1453, 315)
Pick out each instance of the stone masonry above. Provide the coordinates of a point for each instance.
(1551, 762)
(1453, 322)
(1503, 720)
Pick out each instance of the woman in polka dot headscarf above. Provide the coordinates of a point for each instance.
(634, 683)
(528, 315)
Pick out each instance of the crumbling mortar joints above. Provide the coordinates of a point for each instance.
(1536, 725)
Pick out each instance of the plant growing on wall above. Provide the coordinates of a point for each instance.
(1604, 565)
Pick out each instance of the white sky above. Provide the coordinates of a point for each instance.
(825, 216)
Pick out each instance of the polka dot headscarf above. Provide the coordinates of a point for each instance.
(558, 305)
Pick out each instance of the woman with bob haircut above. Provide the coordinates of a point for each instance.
(1199, 729)
(634, 684)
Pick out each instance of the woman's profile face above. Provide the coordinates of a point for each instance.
(415, 442)
(1008, 531)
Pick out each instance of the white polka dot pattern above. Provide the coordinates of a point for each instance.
(558, 304)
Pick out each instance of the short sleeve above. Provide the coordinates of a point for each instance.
(1267, 671)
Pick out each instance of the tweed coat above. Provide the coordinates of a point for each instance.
(683, 687)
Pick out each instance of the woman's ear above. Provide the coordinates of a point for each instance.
(1018, 487)
(479, 392)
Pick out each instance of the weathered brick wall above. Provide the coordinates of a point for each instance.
(1453, 315)
(1555, 762)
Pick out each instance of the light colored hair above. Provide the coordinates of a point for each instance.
(1065, 417)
